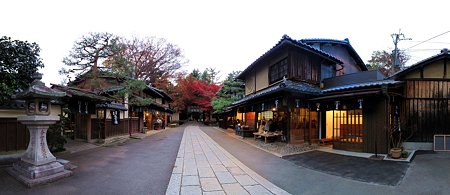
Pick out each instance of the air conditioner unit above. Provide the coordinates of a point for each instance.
(441, 142)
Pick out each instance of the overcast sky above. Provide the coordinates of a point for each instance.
(229, 34)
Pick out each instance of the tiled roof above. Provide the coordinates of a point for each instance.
(286, 85)
(160, 92)
(345, 42)
(111, 88)
(306, 88)
(73, 91)
(288, 40)
(360, 85)
(444, 53)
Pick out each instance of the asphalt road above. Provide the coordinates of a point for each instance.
(429, 173)
(145, 166)
(361, 169)
(138, 167)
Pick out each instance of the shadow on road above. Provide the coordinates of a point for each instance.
(356, 168)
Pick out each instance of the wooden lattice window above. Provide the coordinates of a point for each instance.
(278, 71)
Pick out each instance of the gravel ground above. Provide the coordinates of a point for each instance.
(280, 148)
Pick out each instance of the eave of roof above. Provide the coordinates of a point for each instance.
(286, 85)
(288, 40)
(111, 106)
(343, 96)
(308, 89)
(73, 91)
(361, 85)
(345, 42)
(159, 93)
(444, 54)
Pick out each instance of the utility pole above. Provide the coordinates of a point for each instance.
(397, 37)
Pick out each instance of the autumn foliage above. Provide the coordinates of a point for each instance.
(192, 91)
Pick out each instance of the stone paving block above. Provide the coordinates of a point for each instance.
(205, 172)
(174, 185)
(225, 177)
(189, 162)
(191, 190)
(189, 155)
(202, 163)
(228, 164)
(179, 162)
(178, 169)
(234, 188)
(204, 167)
(200, 157)
(214, 193)
(218, 168)
(222, 156)
(257, 190)
(245, 180)
(210, 184)
(190, 180)
(236, 171)
(190, 170)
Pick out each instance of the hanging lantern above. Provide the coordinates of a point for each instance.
(360, 102)
(336, 103)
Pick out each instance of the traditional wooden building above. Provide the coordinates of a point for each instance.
(100, 115)
(425, 103)
(157, 111)
(320, 89)
(317, 89)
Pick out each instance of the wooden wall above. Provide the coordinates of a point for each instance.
(304, 66)
(425, 109)
(374, 125)
(96, 128)
(134, 125)
(81, 125)
(116, 130)
(13, 135)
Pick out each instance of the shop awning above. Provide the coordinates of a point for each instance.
(346, 95)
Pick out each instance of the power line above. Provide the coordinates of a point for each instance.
(428, 39)
(431, 42)
(414, 50)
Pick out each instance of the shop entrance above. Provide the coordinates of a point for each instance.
(304, 126)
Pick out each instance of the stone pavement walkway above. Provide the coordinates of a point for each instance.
(204, 167)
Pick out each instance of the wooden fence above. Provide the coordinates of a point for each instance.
(14, 136)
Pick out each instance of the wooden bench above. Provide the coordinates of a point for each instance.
(326, 140)
(266, 135)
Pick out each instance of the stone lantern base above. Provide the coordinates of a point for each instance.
(38, 165)
(32, 175)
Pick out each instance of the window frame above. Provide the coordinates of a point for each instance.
(280, 71)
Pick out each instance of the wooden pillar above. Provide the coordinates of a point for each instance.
(88, 128)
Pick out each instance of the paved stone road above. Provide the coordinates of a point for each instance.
(135, 167)
(204, 167)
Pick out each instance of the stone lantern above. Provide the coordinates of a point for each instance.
(38, 165)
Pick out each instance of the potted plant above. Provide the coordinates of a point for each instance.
(395, 135)
(405, 154)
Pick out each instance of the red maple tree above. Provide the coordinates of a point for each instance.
(191, 91)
